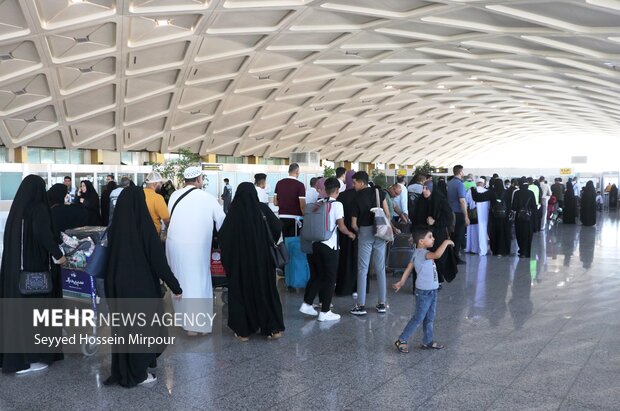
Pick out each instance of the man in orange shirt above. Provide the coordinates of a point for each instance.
(155, 202)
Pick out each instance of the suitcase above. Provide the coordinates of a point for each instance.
(400, 253)
(296, 272)
(405, 228)
(94, 232)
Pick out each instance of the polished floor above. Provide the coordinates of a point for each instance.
(538, 334)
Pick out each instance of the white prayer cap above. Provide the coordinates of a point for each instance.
(192, 172)
(153, 177)
(480, 180)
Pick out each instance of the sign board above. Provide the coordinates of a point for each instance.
(579, 159)
(566, 171)
(401, 172)
(212, 167)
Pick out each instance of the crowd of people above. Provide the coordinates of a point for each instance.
(444, 216)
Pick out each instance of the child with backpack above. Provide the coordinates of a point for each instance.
(426, 285)
(323, 261)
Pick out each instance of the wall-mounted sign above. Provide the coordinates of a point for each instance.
(579, 159)
(401, 172)
(566, 171)
(212, 167)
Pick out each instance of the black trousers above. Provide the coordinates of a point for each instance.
(458, 236)
(323, 264)
(288, 227)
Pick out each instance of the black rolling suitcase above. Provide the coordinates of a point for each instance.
(400, 253)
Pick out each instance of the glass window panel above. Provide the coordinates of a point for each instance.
(3, 155)
(34, 155)
(47, 156)
(77, 157)
(9, 183)
(63, 157)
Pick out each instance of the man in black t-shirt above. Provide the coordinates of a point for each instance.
(368, 245)
(290, 197)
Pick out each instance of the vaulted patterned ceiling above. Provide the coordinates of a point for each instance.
(358, 80)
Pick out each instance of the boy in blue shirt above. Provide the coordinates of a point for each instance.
(426, 285)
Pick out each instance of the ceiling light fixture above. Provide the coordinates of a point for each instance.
(441, 86)
(162, 22)
(388, 87)
(473, 78)
(77, 1)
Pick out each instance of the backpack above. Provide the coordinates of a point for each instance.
(412, 201)
(498, 209)
(524, 214)
(317, 222)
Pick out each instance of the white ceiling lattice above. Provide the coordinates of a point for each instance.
(357, 80)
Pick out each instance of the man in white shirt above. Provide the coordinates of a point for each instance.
(323, 261)
(260, 182)
(576, 187)
(401, 200)
(312, 195)
(341, 175)
(545, 194)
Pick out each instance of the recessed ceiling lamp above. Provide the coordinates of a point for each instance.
(162, 22)
(611, 64)
(453, 106)
(77, 1)
(441, 86)
(473, 78)
(529, 86)
(388, 87)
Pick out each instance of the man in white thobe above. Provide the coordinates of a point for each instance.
(477, 235)
(193, 212)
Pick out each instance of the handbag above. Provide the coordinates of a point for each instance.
(97, 265)
(472, 213)
(279, 253)
(33, 282)
(382, 227)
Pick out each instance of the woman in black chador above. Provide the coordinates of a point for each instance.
(569, 212)
(136, 263)
(522, 201)
(253, 300)
(88, 197)
(588, 205)
(613, 197)
(499, 216)
(64, 216)
(433, 210)
(29, 214)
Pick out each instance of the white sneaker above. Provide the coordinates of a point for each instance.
(35, 366)
(329, 316)
(150, 378)
(308, 310)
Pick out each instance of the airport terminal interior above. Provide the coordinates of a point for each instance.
(91, 89)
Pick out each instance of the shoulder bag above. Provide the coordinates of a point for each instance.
(179, 200)
(33, 282)
(383, 229)
(279, 253)
(525, 214)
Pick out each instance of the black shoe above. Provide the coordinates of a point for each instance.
(358, 310)
(381, 308)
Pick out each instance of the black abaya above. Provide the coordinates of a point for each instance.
(253, 300)
(137, 262)
(437, 207)
(105, 202)
(30, 206)
(64, 216)
(90, 201)
(588, 205)
(613, 197)
(569, 212)
(524, 230)
(499, 228)
(346, 279)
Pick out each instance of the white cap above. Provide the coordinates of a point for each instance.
(192, 172)
(153, 177)
(480, 180)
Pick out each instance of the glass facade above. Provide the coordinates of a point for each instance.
(54, 156)
(9, 183)
(230, 160)
(4, 155)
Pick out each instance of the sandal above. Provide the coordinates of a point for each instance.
(275, 335)
(401, 346)
(242, 339)
(432, 346)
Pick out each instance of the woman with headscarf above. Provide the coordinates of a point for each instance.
(524, 202)
(320, 188)
(88, 197)
(136, 263)
(434, 211)
(253, 300)
(105, 202)
(29, 245)
(588, 205)
(64, 216)
(346, 279)
(569, 211)
(499, 216)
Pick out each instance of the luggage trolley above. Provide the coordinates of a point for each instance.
(79, 286)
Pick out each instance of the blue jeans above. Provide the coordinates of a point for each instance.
(425, 304)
